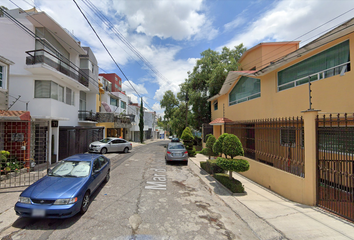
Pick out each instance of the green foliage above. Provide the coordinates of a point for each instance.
(141, 122)
(192, 152)
(233, 185)
(203, 165)
(209, 145)
(178, 121)
(233, 165)
(7, 163)
(187, 134)
(232, 146)
(204, 151)
(217, 148)
(169, 102)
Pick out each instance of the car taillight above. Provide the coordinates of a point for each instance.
(168, 152)
(186, 152)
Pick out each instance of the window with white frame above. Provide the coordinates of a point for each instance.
(215, 103)
(123, 105)
(245, 89)
(48, 89)
(333, 61)
(113, 101)
(69, 97)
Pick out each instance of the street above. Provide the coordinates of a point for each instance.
(144, 199)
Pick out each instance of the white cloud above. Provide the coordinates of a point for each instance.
(290, 19)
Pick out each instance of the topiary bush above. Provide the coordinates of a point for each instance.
(232, 146)
(188, 138)
(217, 147)
(209, 146)
(234, 165)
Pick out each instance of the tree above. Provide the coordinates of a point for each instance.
(232, 147)
(141, 122)
(207, 78)
(178, 119)
(2, 8)
(169, 102)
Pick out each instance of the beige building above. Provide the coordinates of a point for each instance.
(287, 107)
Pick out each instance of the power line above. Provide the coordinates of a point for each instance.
(108, 50)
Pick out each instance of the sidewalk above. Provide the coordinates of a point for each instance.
(272, 216)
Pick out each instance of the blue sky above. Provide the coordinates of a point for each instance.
(171, 34)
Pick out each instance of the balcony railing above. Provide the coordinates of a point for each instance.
(43, 56)
(88, 116)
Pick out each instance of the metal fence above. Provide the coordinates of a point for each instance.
(335, 159)
(207, 129)
(23, 156)
(276, 142)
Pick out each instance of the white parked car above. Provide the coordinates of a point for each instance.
(110, 144)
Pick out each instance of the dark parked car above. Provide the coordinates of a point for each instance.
(175, 151)
(66, 189)
(175, 140)
(110, 144)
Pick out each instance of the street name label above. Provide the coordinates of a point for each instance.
(158, 180)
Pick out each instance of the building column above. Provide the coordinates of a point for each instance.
(310, 182)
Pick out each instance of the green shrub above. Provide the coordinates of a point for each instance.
(233, 165)
(233, 185)
(232, 146)
(203, 165)
(204, 151)
(217, 148)
(209, 146)
(192, 152)
(187, 135)
(214, 168)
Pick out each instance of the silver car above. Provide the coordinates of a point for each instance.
(175, 151)
(110, 144)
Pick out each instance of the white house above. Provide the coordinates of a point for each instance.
(47, 77)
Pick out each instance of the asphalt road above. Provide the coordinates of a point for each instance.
(144, 199)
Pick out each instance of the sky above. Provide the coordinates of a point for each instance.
(170, 35)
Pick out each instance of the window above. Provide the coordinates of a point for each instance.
(330, 62)
(123, 104)
(2, 77)
(215, 105)
(246, 89)
(48, 89)
(288, 137)
(69, 96)
(82, 101)
(113, 101)
(116, 86)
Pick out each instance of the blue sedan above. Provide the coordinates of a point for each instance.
(66, 189)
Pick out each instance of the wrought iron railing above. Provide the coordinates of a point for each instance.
(43, 56)
(87, 116)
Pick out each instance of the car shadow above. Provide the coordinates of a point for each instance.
(52, 223)
(176, 163)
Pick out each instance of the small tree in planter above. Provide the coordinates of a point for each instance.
(209, 146)
(187, 138)
(232, 147)
(217, 147)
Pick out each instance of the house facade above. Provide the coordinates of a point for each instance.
(289, 108)
(114, 79)
(47, 79)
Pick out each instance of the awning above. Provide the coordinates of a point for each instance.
(7, 115)
(220, 121)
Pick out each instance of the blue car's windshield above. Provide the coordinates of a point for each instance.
(71, 169)
(105, 140)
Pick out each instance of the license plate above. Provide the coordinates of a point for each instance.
(38, 213)
(177, 154)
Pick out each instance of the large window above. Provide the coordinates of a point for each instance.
(48, 89)
(82, 106)
(246, 89)
(330, 62)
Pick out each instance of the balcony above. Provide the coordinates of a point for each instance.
(87, 116)
(44, 57)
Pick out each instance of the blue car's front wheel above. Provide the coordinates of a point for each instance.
(85, 203)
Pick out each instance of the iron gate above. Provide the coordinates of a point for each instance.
(23, 156)
(335, 161)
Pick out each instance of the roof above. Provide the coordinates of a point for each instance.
(338, 32)
(220, 121)
(229, 81)
(15, 115)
